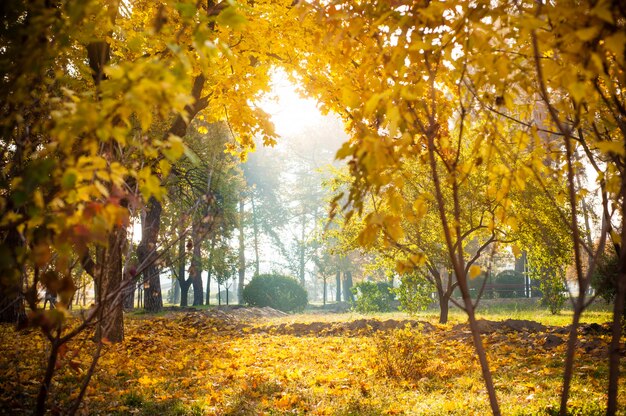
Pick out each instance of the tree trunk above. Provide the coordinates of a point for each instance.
(301, 254)
(444, 307)
(242, 256)
(209, 272)
(347, 287)
(175, 291)
(184, 292)
(129, 291)
(618, 315)
(11, 299)
(146, 254)
(614, 347)
(338, 286)
(325, 285)
(109, 282)
(255, 225)
(195, 272)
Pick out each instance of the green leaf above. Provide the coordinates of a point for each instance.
(231, 18)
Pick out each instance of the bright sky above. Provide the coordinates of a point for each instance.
(290, 112)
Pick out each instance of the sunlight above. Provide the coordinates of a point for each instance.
(291, 114)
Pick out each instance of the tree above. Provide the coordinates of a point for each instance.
(95, 101)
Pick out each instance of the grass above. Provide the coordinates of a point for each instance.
(494, 310)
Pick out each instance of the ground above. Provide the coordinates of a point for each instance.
(261, 361)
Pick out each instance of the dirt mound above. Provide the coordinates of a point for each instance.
(350, 328)
(227, 317)
(510, 325)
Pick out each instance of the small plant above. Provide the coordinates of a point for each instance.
(552, 288)
(276, 291)
(372, 297)
(404, 355)
(414, 293)
(605, 276)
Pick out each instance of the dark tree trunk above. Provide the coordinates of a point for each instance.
(347, 286)
(195, 271)
(147, 253)
(338, 286)
(129, 291)
(11, 280)
(209, 273)
(184, 292)
(242, 255)
(183, 283)
(109, 284)
(444, 299)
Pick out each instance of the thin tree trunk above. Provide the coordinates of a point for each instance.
(255, 225)
(175, 291)
(195, 273)
(458, 263)
(302, 247)
(325, 286)
(242, 256)
(209, 272)
(568, 371)
(348, 296)
(338, 286)
(40, 408)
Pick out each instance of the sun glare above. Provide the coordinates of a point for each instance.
(290, 112)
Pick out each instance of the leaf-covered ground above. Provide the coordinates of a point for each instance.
(197, 363)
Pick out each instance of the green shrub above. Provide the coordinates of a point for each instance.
(414, 293)
(605, 276)
(552, 288)
(276, 291)
(372, 297)
(509, 284)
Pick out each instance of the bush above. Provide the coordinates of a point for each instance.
(276, 291)
(414, 293)
(604, 278)
(372, 297)
(509, 284)
(552, 288)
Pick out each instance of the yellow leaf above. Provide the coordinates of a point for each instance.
(603, 11)
(474, 271)
(615, 147)
(577, 89)
(616, 43)
(588, 33)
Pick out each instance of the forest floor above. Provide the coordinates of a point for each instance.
(241, 361)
